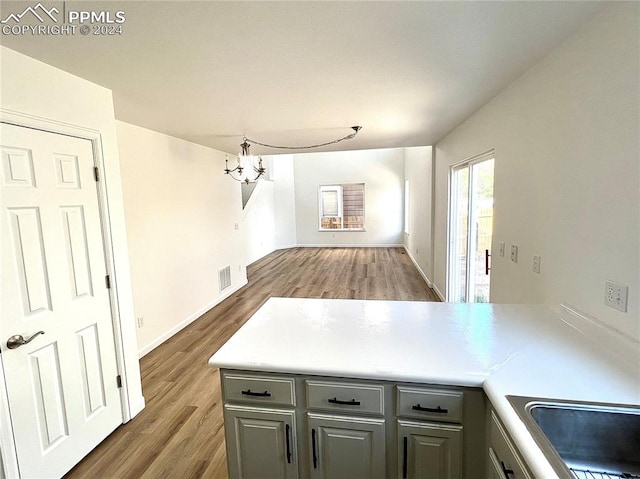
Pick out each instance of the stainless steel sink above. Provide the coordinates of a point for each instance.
(584, 440)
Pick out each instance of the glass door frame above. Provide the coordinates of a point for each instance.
(452, 214)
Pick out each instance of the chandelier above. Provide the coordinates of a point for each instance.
(249, 168)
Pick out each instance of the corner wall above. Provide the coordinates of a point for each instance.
(418, 166)
(382, 172)
(567, 173)
(181, 212)
(268, 219)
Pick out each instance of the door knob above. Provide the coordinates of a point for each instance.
(16, 341)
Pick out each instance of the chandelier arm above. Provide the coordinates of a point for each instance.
(348, 137)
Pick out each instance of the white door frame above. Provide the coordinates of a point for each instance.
(8, 458)
(467, 162)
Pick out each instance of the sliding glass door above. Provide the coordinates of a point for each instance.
(470, 230)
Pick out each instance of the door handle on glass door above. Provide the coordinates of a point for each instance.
(486, 261)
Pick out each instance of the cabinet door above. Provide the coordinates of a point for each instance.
(429, 451)
(346, 447)
(497, 469)
(503, 455)
(260, 443)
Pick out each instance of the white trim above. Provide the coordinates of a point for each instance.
(337, 245)
(439, 293)
(425, 277)
(415, 263)
(280, 248)
(432, 232)
(487, 155)
(183, 324)
(407, 210)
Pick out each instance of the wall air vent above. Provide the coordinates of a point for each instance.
(224, 278)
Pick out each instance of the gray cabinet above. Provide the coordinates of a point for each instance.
(429, 433)
(345, 441)
(261, 443)
(260, 426)
(343, 447)
(285, 426)
(429, 451)
(504, 460)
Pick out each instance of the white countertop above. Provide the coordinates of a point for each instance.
(523, 350)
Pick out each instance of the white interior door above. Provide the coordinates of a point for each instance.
(61, 386)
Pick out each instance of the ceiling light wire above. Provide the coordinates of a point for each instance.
(355, 129)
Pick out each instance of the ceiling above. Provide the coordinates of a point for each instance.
(297, 73)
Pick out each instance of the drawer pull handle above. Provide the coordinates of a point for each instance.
(404, 457)
(288, 432)
(505, 471)
(437, 410)
(313, 448)
(353, 402)
(249, 392)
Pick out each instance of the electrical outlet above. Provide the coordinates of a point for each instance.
(514, 253)
(501, 250)
(536, 263)
(615, 295)
(140, 321)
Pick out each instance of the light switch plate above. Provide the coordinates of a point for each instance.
(514, 253)
(536, 263)
(501, 250)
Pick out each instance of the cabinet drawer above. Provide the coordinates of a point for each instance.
(363, 398)
(431, 404)
(259, 389)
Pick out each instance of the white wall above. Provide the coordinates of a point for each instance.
(258, 221)
(567, 173)
(181, 212)
(418, 166)
(40, 93)
(284, 200)
(382, 172)
(269, 219)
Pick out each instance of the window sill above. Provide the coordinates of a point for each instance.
(329, 230)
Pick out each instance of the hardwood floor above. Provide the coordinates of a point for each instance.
(180, 432)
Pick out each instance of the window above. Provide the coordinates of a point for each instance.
(406, 207)
(341, 207)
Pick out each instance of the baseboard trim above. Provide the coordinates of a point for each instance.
(440, 295)
(178, 327)
(415, 263)
(347, 246)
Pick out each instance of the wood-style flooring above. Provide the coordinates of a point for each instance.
(180, 432)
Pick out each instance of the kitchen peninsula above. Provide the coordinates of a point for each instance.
(318, 388)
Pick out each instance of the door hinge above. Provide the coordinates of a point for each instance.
(107, 280)
(96, 173)
(119, 381)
